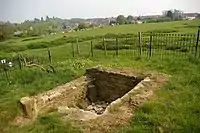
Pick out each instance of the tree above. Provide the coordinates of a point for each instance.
(121, 19)
(129, 19)
(42, 19)
(82, 26)
(139, 18)
(36, 20)
(47, 18)
(64, 26)
(7, 30)
(170, 14)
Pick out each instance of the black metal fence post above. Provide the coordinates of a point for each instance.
(150, 46)
(197, 42)
(92, 49)
(77, 43)
(73, 54)
(105, 48)
(117, 46)
(140, 43)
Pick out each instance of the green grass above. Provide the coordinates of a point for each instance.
(180, 26)
(48, 124)
(174, 108)
(166, 27)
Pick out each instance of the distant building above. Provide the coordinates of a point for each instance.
(151, 17)
(112, 23)
(18, 33)
(191, 16)
(139, 22)
(176, 14)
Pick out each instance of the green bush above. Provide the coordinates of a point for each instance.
(158, 20)
(162, 31)
(38, 45)
(111, 45)
(13, 48)
(176, 48)
(29, 39)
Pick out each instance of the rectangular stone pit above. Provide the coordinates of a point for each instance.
(93, 92)
(104, 87)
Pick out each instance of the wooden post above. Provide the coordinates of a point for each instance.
(78, 50)
(19, 61)
(117, 46)
(151, 38)
(105, 48)
(197, 42)
(73, 54)
(92, 49)
(140, 42)
(49, 55)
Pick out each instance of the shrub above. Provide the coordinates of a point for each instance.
(176, 48)
(13, 48)
(173, 47)
(38, 45)
(29, 39)
(162, 31)
(111, 45)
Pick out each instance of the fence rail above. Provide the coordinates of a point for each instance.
(144, 44)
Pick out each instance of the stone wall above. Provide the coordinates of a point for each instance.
(108, 86)
(66, 95)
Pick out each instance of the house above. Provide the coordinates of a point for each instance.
(151, 17)
(18, 33)
(139, 22)
(191, 16)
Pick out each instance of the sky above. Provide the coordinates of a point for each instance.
(20, 10)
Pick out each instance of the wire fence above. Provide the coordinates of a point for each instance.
(141, 45)
(176, 46)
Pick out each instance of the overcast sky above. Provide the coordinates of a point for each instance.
(20, 10)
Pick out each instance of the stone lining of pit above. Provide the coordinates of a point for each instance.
(101, 88)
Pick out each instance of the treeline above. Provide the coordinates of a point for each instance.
(30, 28)
(121, 20)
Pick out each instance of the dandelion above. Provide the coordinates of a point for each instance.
(10, 64)
(3, 61)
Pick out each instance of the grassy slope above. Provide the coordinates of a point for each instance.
(180, 26)
(175, 106)
(177, 27)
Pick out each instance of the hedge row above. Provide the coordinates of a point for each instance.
(133, 38)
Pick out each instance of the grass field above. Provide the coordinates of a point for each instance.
(174, 108)
(167, 27)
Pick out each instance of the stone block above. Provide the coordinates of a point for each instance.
(29, 107)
